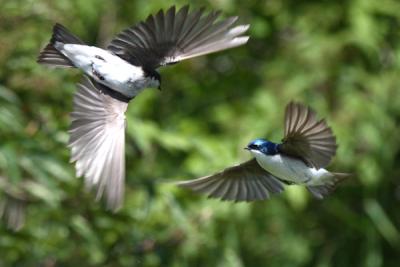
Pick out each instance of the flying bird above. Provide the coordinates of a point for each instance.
(115, 75)
(306, 149)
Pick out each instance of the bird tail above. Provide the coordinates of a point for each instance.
(328, 186)
(50, 55)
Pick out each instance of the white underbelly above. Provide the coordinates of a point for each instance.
(81, 55)
(115, 72)
(287, 168)
(123, 78)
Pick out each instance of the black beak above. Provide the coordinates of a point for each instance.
(246, 148)
(159, 88)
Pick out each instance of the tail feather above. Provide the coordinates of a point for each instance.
(63, 35)
(321, 191)
(50, 55)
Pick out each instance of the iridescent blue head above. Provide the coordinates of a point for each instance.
(264, 146)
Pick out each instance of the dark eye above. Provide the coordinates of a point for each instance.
(253, 146)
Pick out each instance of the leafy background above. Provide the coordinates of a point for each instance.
(340, 57)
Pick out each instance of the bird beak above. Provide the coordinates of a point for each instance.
(247, 148)
(159, 88)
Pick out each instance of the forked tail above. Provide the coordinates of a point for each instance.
(50, 55)
(321, 191)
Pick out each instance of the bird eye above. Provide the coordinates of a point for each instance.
(253, 146)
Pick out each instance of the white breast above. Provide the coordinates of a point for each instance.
(287, 168)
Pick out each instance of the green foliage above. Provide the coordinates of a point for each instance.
(340, 57)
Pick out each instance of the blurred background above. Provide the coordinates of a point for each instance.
(340, 57)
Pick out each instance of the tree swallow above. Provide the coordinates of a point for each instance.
(115, 75)
(308, 146)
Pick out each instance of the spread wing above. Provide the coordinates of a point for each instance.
(306, 137)
(243, 182)
(169, 37)
(97, 141)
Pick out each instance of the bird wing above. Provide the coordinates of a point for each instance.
(243, 182)
(97, 141)
(306, 137)
(169, 37)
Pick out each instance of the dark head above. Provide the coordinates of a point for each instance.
(263, 146)
(154, 78)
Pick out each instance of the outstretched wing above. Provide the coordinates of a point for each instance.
(169, 37)
(243, 182)
(97, 141)
(306, 137)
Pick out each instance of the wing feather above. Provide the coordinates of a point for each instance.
(306, 137)
(243, 182)
(171, 36)
(97, 141)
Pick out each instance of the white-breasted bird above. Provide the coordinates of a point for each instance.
(115, 75)
(306, 149)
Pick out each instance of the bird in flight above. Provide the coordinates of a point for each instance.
(115, 75)
(306, 149)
